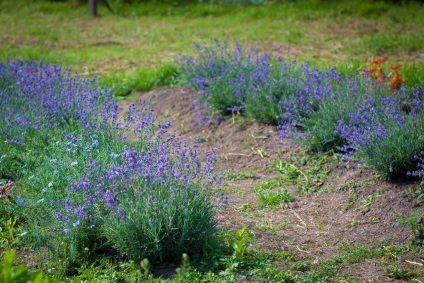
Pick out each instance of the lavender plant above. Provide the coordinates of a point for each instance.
(155, 199)
(91, 182)
(216, 74)
(333, 108)
(385, 134)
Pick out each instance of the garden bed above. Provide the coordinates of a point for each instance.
(351, 207)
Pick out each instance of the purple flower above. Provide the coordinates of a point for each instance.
(61, 217)
(121, 214)
(20, 202)
(110, 200)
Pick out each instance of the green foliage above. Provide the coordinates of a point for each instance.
(389, 44)
(415, 224)
(119, 41)
(124, 83)
(106, 270)
(369, 200)
(20, 274)
(267, 108)
(10, 227)
(420, 193)
(350, 201)
(239, 245)
(65, 198)
(271, 198)
(246, 174)
(396, 272)
(321, 125)
(306, 180)
(162, 234)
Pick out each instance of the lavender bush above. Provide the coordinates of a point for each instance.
(321, 109)
(149, 202)
(386, 135)
(91, 182)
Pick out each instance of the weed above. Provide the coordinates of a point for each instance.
(306, 180)
(356, 184)
(415, 224)
(350, 201)
(394, 79)
(10, 227)
(398, 273)
(246, 174)
(369, 200)
(237, 119)
(181, 125)
(285, 224)
(352, 222)
(239, 245)
(270, 198)
(321, 226)
(266, 226)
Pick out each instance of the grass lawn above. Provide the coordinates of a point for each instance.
(326, 33)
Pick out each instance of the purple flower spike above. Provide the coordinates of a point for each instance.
(110, 201)
(61, 217)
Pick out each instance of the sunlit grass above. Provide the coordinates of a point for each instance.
(345, 33)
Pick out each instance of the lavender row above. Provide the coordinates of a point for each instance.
(321, 109)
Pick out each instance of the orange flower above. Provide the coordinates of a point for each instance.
(380, 61)
(395, 81)
(375, 71)
(396, 67)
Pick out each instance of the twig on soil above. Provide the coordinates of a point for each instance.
(262, 153)
(301, 220)
(414, 263)
(258, 137)
(297, 246)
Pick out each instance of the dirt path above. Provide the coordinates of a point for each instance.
(351, 204)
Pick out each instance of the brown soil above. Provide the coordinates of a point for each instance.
(317, 224)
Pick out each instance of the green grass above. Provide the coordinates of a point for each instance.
(327, 33)
(122, 83)
(246, 174)
(306, 172)
(269, 196)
